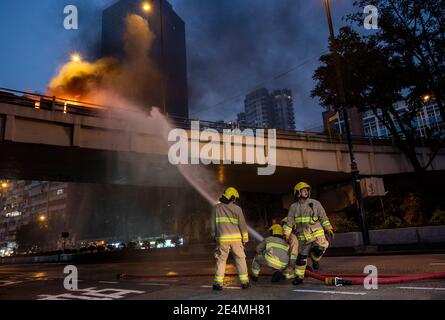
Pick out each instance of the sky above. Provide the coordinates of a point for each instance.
(233, 47)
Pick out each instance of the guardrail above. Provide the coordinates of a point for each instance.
(39, 101)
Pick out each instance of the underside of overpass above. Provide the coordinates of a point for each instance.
(20, 161)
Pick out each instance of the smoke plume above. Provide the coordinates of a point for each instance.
(100, 81)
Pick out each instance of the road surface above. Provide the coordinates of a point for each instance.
(98, 281)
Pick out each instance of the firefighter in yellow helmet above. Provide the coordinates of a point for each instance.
(272, 252)
(308, 220)
(229, 229)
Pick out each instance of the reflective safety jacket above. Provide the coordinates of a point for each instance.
(229, 224)
(275, 251)
(308, 219)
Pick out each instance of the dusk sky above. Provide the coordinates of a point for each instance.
(233, 46)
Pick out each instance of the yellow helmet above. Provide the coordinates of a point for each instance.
(299, 187)
(277, 230)
(231, 192)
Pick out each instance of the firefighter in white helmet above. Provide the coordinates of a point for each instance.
(308, 220)
(272, 252)
(229, 229)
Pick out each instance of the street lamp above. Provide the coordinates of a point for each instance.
(341, 93)
(42, 218)
(4, 185)
(426, 98)
(75, 57)
(146, 6)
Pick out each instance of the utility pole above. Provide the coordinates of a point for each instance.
(341, 94)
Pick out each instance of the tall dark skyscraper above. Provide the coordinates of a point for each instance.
(168, 52)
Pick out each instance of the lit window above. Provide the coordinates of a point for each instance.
(59, 192)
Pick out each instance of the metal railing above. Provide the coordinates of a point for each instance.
(67, 106)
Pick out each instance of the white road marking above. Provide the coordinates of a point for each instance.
(421, 288)
(153, 284)
(237, 288)
(109, 282)
(331, 292)
(4, 283)
(437, 264)
(91, 294)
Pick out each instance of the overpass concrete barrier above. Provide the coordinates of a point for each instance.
(421, 235)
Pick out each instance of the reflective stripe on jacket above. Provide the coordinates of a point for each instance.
(228, 223)
(308, 219)
(275, 251)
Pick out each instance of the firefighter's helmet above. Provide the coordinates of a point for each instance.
(277, 230)
(231, 194)
(300, 186)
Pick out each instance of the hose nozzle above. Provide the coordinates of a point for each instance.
(338, 282)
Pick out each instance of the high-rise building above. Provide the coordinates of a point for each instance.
(283, 110)
(265, 110)
(168, 52)
(25, 201)
(258, 107)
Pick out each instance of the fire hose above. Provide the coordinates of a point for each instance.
(358, 279)
(328, 279)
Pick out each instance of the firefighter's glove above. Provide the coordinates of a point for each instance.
(330, 233)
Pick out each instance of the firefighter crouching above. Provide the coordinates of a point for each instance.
(272, 252)
(308, 220)
(229, 229)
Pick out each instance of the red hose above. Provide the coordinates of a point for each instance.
(382, 279)
(331, 279)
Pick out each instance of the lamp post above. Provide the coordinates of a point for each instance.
(341, 94)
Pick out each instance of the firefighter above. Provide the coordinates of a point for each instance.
(229, 229)
(289, 272)
(308, 220)
(272, 252)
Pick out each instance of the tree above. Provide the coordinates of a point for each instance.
(377, 80)
(413, 30)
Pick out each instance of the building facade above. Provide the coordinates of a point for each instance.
(23, 202)
(284, 118)
(258, 107)
(428, 122)
(265, 110)
(168, 52)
